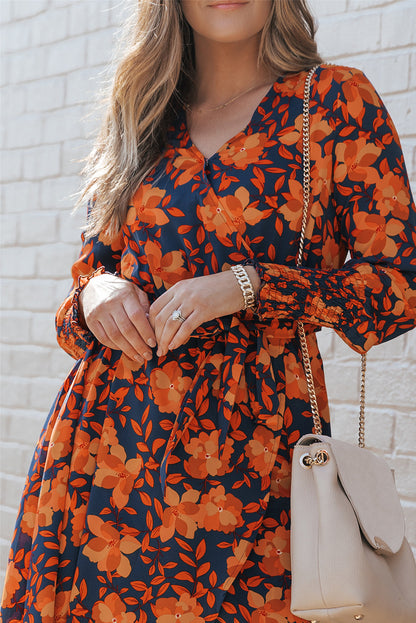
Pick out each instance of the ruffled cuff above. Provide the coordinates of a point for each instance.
(72, 335)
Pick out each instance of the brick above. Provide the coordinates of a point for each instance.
(6, 12)
(16, 420)
(11, 490)
(70, 226)
(359, 5)
(8, 517)
(40, 162)
(13, 101)
(42, 329)
(15, 327)
(55, 260)
(63, 124)
(8, 229)
(344, 423)
(28, 8)
(347, 390)
(405, 433)
(18, 197)
(398, 25)
(99, 47)
(395, 385)
(8, 294)
(16, 36)
(404, 472)
(5, 366)
(55, 193)
(379, 429)
(15, 263)
(325, 342)
(412, 80)
(393, 349)
(27, 64)
(10, 165)
(322, 8)
(61, 363)
(341, 36)
(24, 131)
(87, 16)
(37, 228)
(402, 110)
(81, 86)
(33, 361)
(388, 72)
(64, 56)
(73, 152)
(51, 26)
(42, 393)
(409, 511)
(39, 294)
(46, 94)
(119, 12)
(15, 392)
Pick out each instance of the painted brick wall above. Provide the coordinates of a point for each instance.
(53, 56)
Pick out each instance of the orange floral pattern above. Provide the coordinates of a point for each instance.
(160, 492)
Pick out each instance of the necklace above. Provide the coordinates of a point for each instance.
(224, 104)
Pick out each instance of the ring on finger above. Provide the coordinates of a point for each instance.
(177, 315)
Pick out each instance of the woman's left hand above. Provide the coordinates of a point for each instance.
(199, 300)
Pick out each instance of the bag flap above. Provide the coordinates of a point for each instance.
(369, 485)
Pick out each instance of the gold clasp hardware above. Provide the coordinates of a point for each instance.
(320, 458)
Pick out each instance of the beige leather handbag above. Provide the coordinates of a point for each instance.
(350, 558)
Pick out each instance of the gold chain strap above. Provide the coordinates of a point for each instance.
(301, 329)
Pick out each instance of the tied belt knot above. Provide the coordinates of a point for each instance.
(236, 337)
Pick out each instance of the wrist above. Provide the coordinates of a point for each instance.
(246, 286)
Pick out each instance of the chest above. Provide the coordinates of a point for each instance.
(211, 129)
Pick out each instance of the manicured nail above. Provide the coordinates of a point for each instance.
(171, 346)
(147, 355)
(159, 352)
(138, 358)
(151, 342)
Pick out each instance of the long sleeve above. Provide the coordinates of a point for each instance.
(96, 256)
(372, 297)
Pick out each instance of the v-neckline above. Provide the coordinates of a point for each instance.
(207, 159)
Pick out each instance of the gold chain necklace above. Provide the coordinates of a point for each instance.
(224, 104)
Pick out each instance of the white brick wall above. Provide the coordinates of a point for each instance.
(53, 54)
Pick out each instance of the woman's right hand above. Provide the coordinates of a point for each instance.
(116, 312)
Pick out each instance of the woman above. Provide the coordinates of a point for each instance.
(159, 489)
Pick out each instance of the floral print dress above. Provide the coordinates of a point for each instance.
(160, 493)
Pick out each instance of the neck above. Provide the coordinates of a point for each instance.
(226, 69)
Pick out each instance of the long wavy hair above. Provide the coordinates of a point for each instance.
(154, 75)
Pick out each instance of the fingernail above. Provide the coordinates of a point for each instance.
(171, 346)
(147, 355)
(159, 352)
(138, 358)
(151, 342)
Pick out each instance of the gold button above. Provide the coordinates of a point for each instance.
(359, 617)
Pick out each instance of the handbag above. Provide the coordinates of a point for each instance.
(349, 555)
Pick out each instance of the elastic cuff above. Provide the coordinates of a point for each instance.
(82, 282)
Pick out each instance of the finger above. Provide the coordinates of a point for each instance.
(136, 310)
(184, 332)
(117, 328)
(101, 335)
(167, 327)
(158, 305)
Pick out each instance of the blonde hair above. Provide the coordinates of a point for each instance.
(153, 77)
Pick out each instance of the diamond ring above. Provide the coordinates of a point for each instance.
(177, 315)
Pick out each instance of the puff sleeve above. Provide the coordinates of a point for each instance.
(372, 297)
(96, 256)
